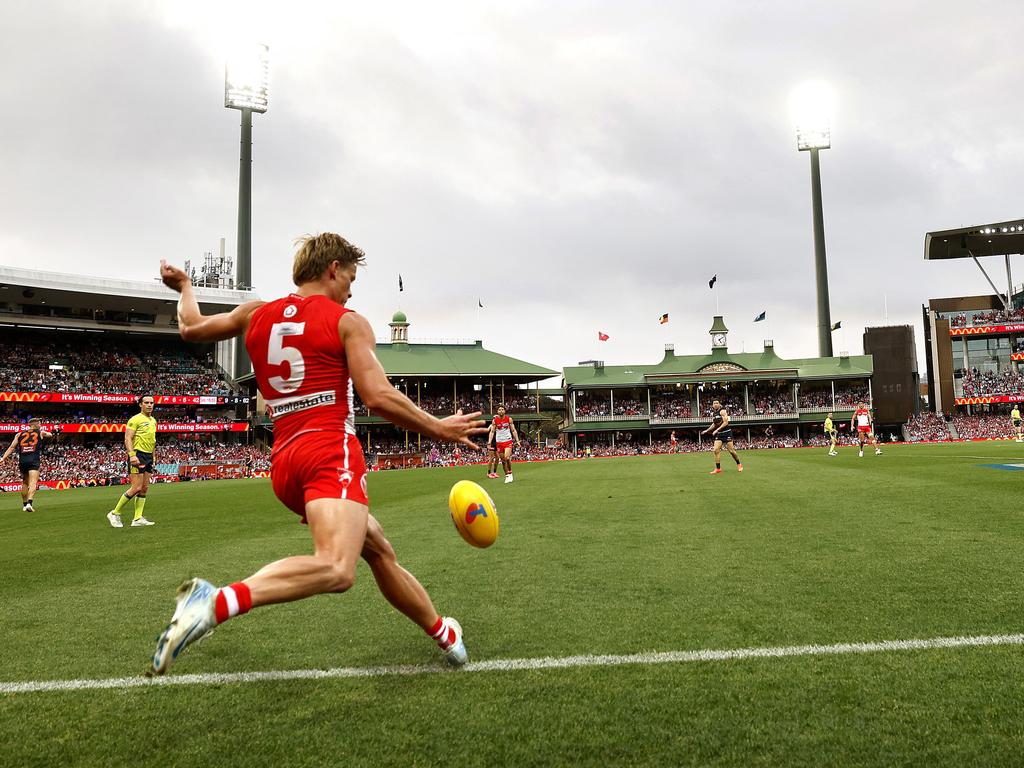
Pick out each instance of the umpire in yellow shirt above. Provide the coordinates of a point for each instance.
(140, 442)
(832, 434)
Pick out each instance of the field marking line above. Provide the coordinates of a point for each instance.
(515, 665)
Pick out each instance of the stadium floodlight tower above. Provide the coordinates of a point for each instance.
(812, 106)
(246, 76)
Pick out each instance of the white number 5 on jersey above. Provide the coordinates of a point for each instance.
(278, 353)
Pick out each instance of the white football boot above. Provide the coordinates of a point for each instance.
(114, 519)
(192, 620)
(456, 655)
(508, 478)
(141, 521)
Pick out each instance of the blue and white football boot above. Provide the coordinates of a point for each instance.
(456, 654)
(193, 619)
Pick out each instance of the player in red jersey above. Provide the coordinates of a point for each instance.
(502, 432)
(673, 442)
(861, 421)
(308, 351)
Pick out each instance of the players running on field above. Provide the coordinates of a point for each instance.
(501, 433)
(140, 443)
(861, 421)
(308, 351)
(832, 434)
(29, 445)
(721, 430)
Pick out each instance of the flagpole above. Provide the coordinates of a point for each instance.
(717, 310)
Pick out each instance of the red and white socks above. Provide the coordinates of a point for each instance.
(232, 601)
(443, 633)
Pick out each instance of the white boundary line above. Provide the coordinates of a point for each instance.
(515, 665)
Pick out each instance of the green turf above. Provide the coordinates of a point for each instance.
(598, 556)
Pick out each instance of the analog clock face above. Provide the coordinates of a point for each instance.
(718, 339)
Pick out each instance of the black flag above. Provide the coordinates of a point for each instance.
(400, 287)
(711, 282)
(479, 303)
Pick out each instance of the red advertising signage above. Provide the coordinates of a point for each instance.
(989, 399)
(86, 397)
(210, 426)
(1017, 356)
(987, 330)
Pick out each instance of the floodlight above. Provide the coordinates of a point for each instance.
(812, 105)
(246, 78)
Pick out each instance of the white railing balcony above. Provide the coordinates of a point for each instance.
(579, 419)
(766, 416)
(678, 420)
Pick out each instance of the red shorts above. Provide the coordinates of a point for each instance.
(503, 445)
(865, 430)
(319, 465)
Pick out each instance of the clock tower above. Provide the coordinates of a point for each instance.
(719, 334)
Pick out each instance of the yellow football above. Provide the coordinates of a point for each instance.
(474, 514)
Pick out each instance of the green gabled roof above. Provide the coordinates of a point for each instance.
(756, 365)
(454, 360)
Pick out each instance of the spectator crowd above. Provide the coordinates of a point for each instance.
(927, 426)
(108, 366)
(997, 316)
(74, 462)
(978, 383)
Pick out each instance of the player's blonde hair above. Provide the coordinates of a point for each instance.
(316, 252)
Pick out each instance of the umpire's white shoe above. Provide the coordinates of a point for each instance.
(141, 521)
(456, 654)
(194, 617)
(114, 519)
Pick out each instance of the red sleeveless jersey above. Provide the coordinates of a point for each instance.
(300, 366)
(502, 429)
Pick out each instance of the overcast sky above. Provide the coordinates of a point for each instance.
(577, 166)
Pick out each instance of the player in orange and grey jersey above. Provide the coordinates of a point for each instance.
(29, 445)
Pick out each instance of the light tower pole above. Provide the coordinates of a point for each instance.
(812, 104)
(246, 89)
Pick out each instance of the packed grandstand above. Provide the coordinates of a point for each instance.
(85, 392)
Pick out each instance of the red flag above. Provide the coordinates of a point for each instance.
(602, 336)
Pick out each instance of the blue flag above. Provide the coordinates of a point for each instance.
(760, 317)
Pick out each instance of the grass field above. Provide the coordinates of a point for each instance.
(607, 556)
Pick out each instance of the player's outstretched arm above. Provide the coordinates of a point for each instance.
(193, 325)
(380, 396)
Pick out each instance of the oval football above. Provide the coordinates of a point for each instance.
(474, 514)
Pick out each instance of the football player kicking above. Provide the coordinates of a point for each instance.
(862, 422)
(308, 350)
(722, 432)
